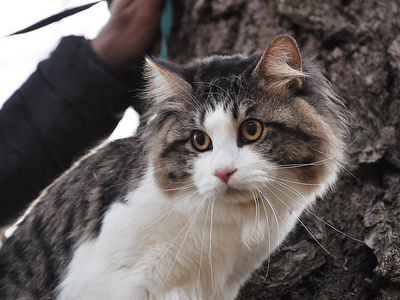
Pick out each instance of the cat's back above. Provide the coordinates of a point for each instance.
(34, 258)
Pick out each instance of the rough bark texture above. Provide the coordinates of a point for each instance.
(357, 43)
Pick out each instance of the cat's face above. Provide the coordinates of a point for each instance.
(233, 129)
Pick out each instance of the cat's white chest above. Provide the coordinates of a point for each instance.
(150, 247)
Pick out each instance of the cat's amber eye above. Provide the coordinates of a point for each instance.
(201, 141)
(251, 130)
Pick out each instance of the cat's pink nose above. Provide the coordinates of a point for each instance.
(224, 175)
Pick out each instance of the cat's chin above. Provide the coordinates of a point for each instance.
(232, 196)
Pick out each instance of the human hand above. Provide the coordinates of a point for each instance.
(128, 33)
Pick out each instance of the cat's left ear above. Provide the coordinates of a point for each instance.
(281, 62)
(164, 84)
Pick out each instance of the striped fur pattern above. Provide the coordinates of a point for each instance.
(231, 151)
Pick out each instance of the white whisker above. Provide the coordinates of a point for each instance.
(210, 246)
(344, 168)
(328, 158)
(269, 238)
(308, 210)
(191, 222)
(270, 204)
(202, 243)
(298, 218)
(295, 182)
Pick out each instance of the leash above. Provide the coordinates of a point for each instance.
(165, 23)
(55, 18)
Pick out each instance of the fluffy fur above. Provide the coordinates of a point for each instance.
(150, 217)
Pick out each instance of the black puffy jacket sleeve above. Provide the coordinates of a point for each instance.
(68, 104)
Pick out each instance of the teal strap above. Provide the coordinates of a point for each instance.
(166, 25)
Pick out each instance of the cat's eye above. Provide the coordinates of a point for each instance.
(251, 130)
(201, 141)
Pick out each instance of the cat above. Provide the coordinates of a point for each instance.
(230, 152)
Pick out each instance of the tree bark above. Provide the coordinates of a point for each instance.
(357, 44)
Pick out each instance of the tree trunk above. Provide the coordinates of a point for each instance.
(357, 43)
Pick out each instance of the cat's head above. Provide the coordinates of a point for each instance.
(234, 128)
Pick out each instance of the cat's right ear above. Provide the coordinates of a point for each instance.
(163, 84)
